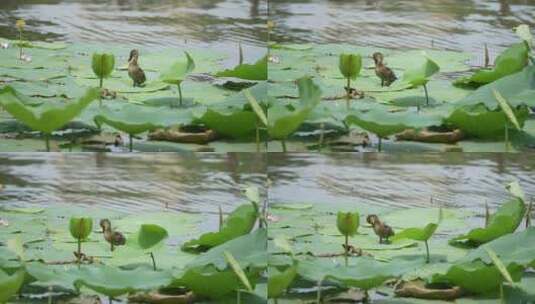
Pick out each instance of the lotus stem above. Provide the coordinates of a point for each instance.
(110, 299)
(50, 290)
(180, 95)
(487, 214)
(20, 45)
(487, 57)
(506, 138)
(380, 144)
(47, 142)
(238, 296)
(427, 260)
(257, 137)
(153, 261)
(283, 142)
(220, 218)
(275, 301)
(348, 102)
(426, 95)
(318, 295)
(528, 213)
(346, 248)
(130, 142)
(322, 136)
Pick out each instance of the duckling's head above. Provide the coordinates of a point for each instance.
(105, 224)
(134, 55)
(378, 57)
(372, 219)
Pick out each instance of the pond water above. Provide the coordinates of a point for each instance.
(218, 24)
(131, 183)
(458, 180)
(449, 24)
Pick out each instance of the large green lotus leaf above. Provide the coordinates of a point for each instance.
(384, 123)
(178, 71)
(417, 234)
(45, 118)
(518, 247)
(240, 222)
(174, 223)
(477, 277)
(279, 281)
(10, 284)
(123, 85)
(234, 117)
(257, 71)
(449, 61)
(522, 292)
(511, 61)
(198, 92)
(284, 120)
(419, 74)
(249, 249)
(54, 46)
(135, 119)
(518, 89)
(452, 219)
(506, 220)
(62, 276)
(206, 60)
(32, 74)
(114, 282)
(480, 122)
(364, 272)
(149, 237)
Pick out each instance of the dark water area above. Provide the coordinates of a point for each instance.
(401, 180)
(132, 183)
(463, 25)
(215, 24)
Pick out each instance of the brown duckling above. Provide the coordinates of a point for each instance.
(382, 230)
(134, 71)
(382, 71)
(115, 238)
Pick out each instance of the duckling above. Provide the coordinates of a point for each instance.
(134, 71)
(115, 238)
(382, 230)
(382, 71)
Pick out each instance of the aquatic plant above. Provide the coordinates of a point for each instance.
(236, 268)
(102, 65)
(20, 24)
(348, 224)
(350, 66)
(10, 284)
(420, 234)
(420, 76)
(177, 73)
(257, 71)
(149, 238)
(511, 117)
(80, 229)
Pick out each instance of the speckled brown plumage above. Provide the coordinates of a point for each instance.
(386, 74)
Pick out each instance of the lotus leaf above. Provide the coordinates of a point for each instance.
(511, 61)
(240, 222)
(284, 120)
(279, 281)
(506, 220)
(114, 282)
(48, 117)
(150, 236)
(257, 71)
(178, 71)
(10, 284)
(420, 74)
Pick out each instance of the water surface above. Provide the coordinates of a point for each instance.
(132, 183)
(399, 180)
(463, 25)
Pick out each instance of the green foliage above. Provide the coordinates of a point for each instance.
(10, 284)
(511, 61)
(48, 117)
(283, 120)
(150, 236)
(103, 65)
(256, 71)
(420, 75)
(178, 71)
(279, 281)
(350, 65)
(240, 222)
(348, 223)
(81, 227)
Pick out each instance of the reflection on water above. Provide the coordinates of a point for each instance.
(133, 182)
(399, 180)
(216, 23)
(450, 24)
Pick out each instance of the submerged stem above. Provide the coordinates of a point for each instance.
(238, 297)
(318, 295)
(506, 138)
(380, 144)
(346, 249)
(257, 137)
(348, 102)
(427, 252)
(283, 142)
(47, 142)
(528, 213)
(426, 95)
(153, 261)
(130, 142)
(322, 136)
(180, 95)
